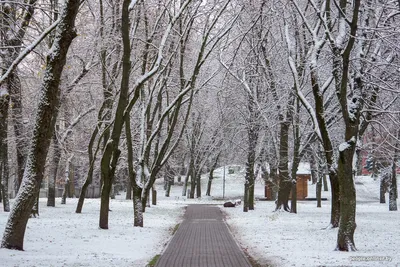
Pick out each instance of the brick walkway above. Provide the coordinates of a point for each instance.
(203, 240)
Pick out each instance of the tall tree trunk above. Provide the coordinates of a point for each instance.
(246, 196)
(128, 189)
(285, 183)
(4, 174)
(252, 133)
(168, 185)
(51, 191)
(335, 199)
(137, 191)
(382, 190)
(347, 224)
(296, 158)
(137, 206)
(192, 180)
(211, 175)
(4, 100)
(17, 121)
(393, 187)
(16, 23)
(198, 185)
(45, 119)
(154, 196)
(35, 208)
(324, 181)
(66, 180)
(111, 152)
(274, 178)
(351, 108)
(209, 183)
(314, 169)
(319, 189)
(184, 187)
(393, 184)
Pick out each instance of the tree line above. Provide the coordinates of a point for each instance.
(138, 90)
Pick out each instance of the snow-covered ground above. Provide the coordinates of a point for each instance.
(59, 237)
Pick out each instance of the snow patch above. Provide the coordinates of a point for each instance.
(346, 145)
(3, 92)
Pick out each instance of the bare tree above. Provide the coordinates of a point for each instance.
(45, 119)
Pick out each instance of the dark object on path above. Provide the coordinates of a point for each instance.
(231, 204)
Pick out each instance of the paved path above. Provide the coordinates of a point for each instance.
(203, 240)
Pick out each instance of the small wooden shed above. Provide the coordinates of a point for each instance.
(303, 176)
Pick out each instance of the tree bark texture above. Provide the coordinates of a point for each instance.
(252, 134)
(347, 190)
(13, 41)
(45, 119)
(211, 175)
(319, 191)
(111, 152)
(382, 190)
(393, 184)
(4, 100)
(51, 191)
(285, 183)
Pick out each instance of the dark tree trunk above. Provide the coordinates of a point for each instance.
(111, 152)
(64, 194)
(382, 191)
(251, 194)
(335, 199)
(67, 181)
(4, 100)
(392, 191)
(274, 184)
(198, 185)
(319, 189)
(246, 197)
(252, 133)
(314, 169)
(154, 196)
(285, 183)
(167, 187)
(137, 206)
(45, 119)
(209, 183)
(51, 191)
(393, 182)
(325, 182)
(351, 117)
(16, 118)
(137, 191)
(293, 206)
(4, 174)
(184, 187)
(35, 208)
(13, 40)
(192, 182)
(347, 224)
(211, 175)
(359, 166)
(128, 189)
